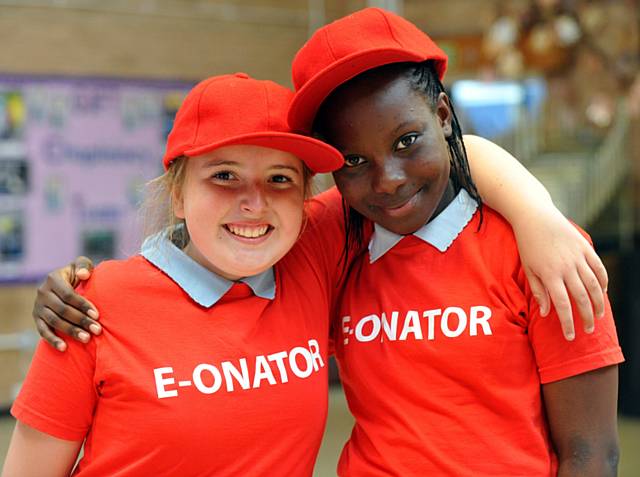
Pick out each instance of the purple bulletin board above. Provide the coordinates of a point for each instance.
(74, 156)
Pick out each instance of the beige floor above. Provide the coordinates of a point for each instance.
(339, 426)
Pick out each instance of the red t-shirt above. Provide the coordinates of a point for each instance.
(442, 355)
(173, 388)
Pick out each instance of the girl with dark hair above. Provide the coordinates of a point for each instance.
(423, 79)
(446, 363)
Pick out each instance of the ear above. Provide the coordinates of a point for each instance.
(443, 111)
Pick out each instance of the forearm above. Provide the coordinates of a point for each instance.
(503, 183)
(589, 462)
(582, 420)
(35, 454)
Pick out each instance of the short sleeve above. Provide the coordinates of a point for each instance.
(325, 232)
(58, 395)
(558, 358)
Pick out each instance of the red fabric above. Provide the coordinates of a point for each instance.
(236, 109)
(349, 46)
(108, 391)
(454, 399)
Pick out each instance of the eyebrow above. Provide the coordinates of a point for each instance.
(219, 162)
(222, 162)
(402, 125)
(291, 168)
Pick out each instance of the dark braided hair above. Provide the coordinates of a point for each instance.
(423, 79)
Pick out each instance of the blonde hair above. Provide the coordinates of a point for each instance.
(157, 209)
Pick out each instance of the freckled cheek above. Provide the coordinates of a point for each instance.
(289, 208)
(207, 209)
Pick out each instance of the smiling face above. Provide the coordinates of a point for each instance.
(243, 208)
(397, 163)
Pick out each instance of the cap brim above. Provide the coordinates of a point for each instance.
(317, 155)
(307, 100)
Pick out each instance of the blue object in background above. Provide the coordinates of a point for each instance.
(493, 109)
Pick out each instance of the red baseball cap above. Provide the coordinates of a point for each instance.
(236, 109)
(349, 46)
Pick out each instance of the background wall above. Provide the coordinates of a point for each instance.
(188, 39)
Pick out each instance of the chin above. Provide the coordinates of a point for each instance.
(405, 227)
(247, 266)
(249, 269)
(250, 272)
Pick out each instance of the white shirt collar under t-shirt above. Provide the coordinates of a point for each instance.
(440, 232)
(202, 285)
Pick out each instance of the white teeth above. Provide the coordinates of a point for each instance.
(248, 232)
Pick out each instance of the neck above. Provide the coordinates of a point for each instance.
(448, 195)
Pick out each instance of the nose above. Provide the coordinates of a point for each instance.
(389, 176)
(254, 200)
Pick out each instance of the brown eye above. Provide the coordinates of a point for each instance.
(353, 161)
(405, 141)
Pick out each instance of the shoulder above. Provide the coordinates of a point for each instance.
(120, 288)
(122, 271)
(488, 241)
(324, 208)
(319, 247)
(129, 276)
(494, 224)
(329, 198)
(496, 229)
(324, 224)
(490, 231)
(327, 214)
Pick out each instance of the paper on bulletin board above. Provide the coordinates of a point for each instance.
(74, 157)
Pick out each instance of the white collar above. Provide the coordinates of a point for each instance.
(439, 232)
(201, 284)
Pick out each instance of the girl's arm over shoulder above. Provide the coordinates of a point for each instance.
(58, 307)
(559, 262)
(35, 454)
